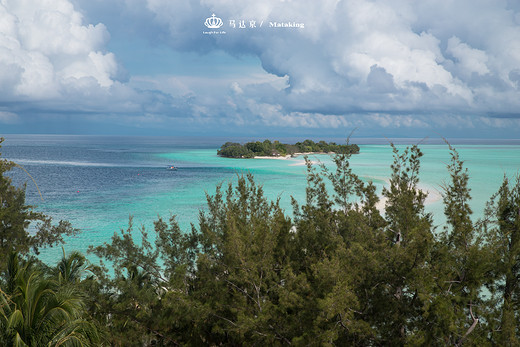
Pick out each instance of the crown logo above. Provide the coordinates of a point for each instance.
(213, 22)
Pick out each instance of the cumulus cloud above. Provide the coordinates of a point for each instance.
(46, 48)
(54, 63)
(371, 56)
(380, 63)
(469, 60)
(8, 117)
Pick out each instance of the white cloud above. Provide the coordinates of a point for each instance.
(430, 53)
(368, 63)
(8, 117)
(96, 65)
(469, 59)
(49, 48)
(501, 123)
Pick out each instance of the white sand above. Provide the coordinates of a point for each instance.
(288, 156)
(433, 195)
(279, 158)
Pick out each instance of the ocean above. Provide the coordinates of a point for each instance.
(98, 182)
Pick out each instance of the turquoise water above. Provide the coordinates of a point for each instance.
(98, 182)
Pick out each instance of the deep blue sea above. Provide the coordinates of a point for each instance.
(97, 182)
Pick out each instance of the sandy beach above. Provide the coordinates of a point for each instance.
(432, 195)
(289, 156)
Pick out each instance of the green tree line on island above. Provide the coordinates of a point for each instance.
(338, 272)
(276, 148)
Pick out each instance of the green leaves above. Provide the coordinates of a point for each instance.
(268, 148)
(502, 230)
(37, 311)
(244, 245)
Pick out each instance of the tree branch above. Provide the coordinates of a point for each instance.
(471, 328)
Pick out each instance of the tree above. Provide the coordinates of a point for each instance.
(342, 244)
(36, 311)
(503, 214)
(16, 216)
(126, 301)
(242, 274)
(226, 282)
(409, 234)
(461, 267)
(71, 267)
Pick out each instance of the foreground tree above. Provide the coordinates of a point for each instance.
(36, 311)
(224, 283)
(243, 258)
(128, 303)
(409, 231)
(461, 267)
(16, 217)
(72, 268)
(503, 215)
(339, 243)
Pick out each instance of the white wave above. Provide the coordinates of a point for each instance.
(60, 163)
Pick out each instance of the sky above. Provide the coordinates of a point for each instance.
(386, 68)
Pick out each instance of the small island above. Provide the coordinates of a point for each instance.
(277, 149)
